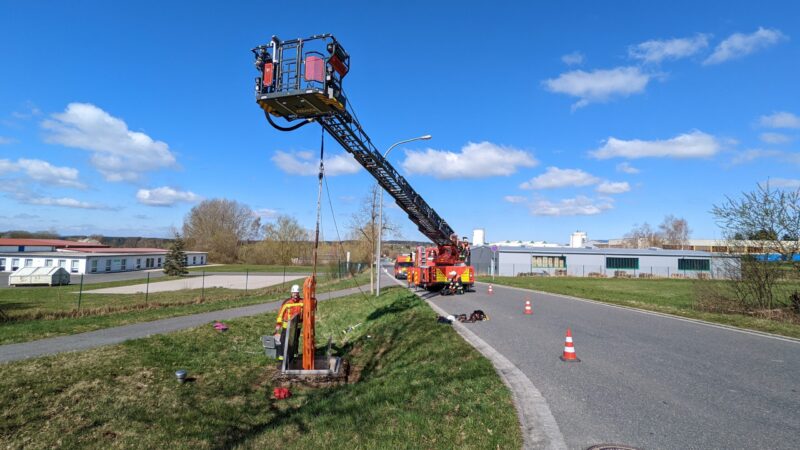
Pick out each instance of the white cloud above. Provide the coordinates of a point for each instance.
(599, 85)
(43, 172)
(7, 166)
(46, 173)
(65, 202)
(165, 196)
(559, 178)
(515, 199)
(305, 163)
(690, 145)
(476, 160)
(780, 119)
(6, 140)
(117, 152)
(625, 167)
(572, 59)
(578, 206)
(655, 51)
(753, 154)
(784, 183)
(611, 187)
(738, 45)
(775, 138)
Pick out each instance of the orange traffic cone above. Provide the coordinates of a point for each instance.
(528, 307)
(491, 291)
(569, 349)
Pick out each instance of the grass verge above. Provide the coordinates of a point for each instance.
(419, 386)
(37, 316)
(671, 296)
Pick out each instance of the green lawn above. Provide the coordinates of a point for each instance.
(419, 386)
(40, 312)
(671, 296)
(253, 268)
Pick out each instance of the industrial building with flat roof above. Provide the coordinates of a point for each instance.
(84, 257)
(597, 262)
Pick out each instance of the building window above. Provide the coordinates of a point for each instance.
(149, 263)
(62, 263)
(138, 263)
(48, 263)
(159, 262)
(194, 260)
(548, 262)
(622, 263)
(201, 259)
(2, 264)
(14, 264)
(94, 266)
(108, 265)
(74, 266)
(28, 262)
(123, 264)
(694, 264)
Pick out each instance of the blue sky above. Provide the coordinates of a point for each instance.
(547, 117)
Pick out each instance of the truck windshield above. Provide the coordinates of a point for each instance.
(404, 264)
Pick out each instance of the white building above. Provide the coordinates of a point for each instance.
(82, 257)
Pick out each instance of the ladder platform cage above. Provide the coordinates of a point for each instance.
(301, 78)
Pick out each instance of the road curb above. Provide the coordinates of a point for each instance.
(539, 427)
(656, 313)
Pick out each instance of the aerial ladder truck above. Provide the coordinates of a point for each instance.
(300, 81)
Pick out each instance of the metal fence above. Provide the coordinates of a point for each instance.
(148, 289)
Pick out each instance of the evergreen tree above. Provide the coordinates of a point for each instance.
(175, 261)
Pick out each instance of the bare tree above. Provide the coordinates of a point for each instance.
(674, 231)
(286, 238)
(766, 221)
(642, 236)
(220, 226)
(364, 228)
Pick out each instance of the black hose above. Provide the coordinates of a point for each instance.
(291, 128)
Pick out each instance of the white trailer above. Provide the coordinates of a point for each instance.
(33, 276)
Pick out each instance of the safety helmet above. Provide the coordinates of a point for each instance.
(453, 273)
(295, 289)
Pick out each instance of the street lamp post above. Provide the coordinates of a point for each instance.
(380, 216)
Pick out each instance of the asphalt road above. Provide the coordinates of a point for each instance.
(645, 380)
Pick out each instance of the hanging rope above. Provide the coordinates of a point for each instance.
(319, 200)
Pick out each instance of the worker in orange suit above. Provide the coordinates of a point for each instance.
(289, 308)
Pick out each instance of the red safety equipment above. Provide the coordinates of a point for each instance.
(528, 308)
(281, 393)
(491, 291)
(569, 350)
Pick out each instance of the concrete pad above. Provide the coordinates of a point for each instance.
(211, 281)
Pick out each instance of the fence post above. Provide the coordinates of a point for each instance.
(147, 288)
(203, 290)
(284, 274)
(246, 279)
(80, 293)
(583, 270)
